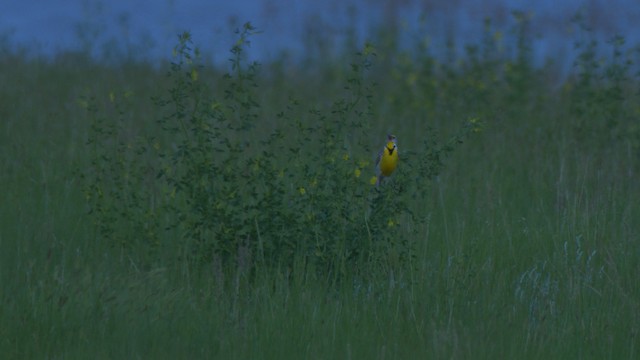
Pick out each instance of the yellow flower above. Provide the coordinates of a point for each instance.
(477, 125)
(345, 157)
(83, 103)
(302, 190)
(194, 74)
(391, 223)
(357, 172)
(373, 180)
(368, 49)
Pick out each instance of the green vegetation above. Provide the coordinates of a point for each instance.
(210, 213)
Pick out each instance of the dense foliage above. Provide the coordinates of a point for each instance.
(193, 210)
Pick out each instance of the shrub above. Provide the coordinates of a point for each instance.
(208, 181)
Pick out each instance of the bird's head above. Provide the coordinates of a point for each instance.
(391, 141)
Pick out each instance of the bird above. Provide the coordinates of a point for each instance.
(387, 160)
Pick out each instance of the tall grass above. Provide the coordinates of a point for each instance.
(196, 211)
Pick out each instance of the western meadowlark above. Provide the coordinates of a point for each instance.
(387, 158)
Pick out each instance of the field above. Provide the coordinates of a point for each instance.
(191, 211)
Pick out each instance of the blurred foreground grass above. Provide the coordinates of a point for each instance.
(230, 215)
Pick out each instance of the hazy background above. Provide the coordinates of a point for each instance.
(146, 29)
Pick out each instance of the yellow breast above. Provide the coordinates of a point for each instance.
(389, 159)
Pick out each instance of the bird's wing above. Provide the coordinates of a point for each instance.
(379, 157)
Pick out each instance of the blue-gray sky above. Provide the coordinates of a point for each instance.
(150, 26)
